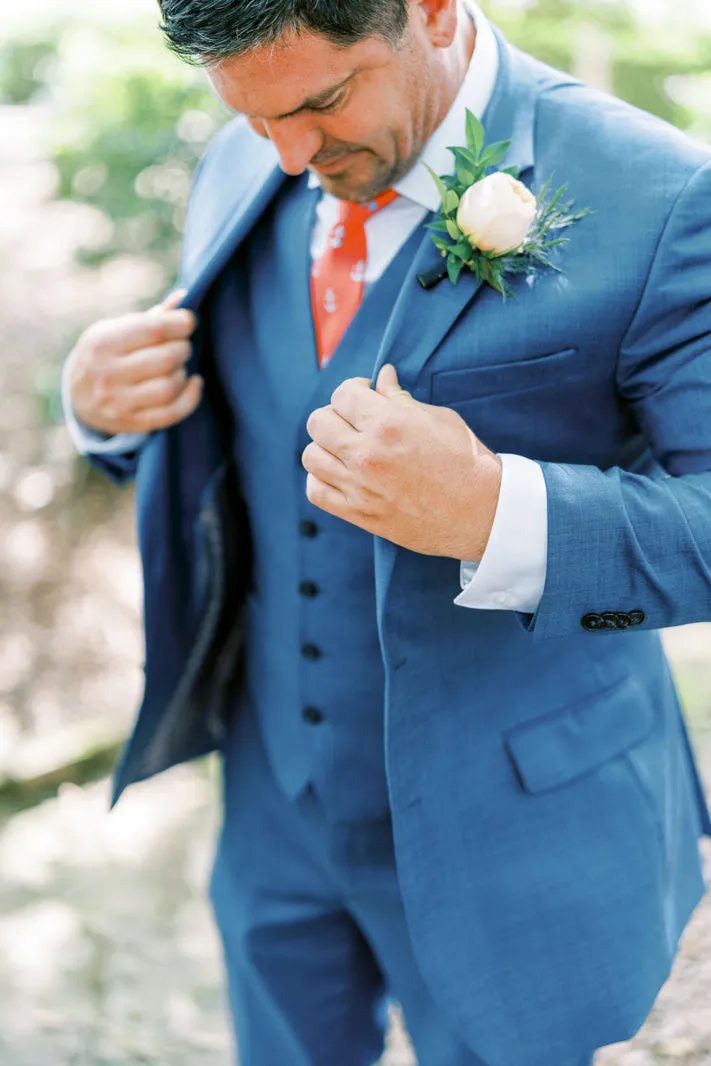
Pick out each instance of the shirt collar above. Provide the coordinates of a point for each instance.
(474, 93)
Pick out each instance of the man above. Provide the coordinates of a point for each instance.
(476, 798)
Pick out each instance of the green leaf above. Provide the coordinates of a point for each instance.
(513, 171)
(454, 269)
(440, 243)
(475, 133)
(450, 181)
(440, 226)
(463, 250)
(451, 201)
(495, 153)
(453, 230)
(465, 156)
(465, 175)
(439, 183)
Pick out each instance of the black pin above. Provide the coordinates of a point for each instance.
(430, 278)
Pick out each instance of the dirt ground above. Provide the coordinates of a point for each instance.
(108, 956)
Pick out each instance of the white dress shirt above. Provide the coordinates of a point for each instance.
(512, 572)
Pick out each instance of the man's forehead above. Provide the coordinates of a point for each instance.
(302, 72)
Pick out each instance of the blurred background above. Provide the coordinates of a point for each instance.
(107, 952)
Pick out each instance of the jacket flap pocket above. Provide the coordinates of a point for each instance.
(557, 749)
(474, 382)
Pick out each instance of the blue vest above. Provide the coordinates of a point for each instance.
(313, 665)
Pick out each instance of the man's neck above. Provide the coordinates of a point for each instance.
(455, 64)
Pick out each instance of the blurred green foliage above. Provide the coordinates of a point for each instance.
(26, 66)
(132, 123)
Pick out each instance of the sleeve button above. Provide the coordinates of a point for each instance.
(591, 622)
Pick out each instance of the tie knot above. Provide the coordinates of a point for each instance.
(351, 212)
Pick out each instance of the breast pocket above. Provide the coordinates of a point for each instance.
(534, 407)
(473, 384)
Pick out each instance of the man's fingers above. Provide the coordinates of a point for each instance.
(121, 336)
(356, 403)
(159, 361)
(157, 392)
(162, 416)
(173, 299)
(388, 385)
(170, 302)
(326, 467)
(325, 496)
(332, 432)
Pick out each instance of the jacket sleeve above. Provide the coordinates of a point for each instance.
(626, 550)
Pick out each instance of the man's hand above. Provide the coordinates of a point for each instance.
(127, 374)
(407, 471)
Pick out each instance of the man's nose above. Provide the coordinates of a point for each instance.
(296, 142)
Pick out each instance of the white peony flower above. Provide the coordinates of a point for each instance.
(496, 214)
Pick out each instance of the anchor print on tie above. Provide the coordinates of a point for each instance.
(338, 276)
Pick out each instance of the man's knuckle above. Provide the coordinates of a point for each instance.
(386, 429)
(154, 332)
(364, 459)
(314, 491)
(180, 351)
(166, 390)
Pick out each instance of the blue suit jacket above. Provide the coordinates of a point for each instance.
(545, 804)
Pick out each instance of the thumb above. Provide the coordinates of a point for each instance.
(388, 384)
(170, 302)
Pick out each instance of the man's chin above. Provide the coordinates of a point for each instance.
(346, 185)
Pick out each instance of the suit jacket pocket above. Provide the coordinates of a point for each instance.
(448, 388)
(554, 750)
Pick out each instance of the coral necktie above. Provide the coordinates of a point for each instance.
(337, 276)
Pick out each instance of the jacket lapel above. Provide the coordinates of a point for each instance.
(213, 234)
(421, 318)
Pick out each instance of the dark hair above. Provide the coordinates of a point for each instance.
(211, 30)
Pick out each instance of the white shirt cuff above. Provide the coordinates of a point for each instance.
(512, 571)
(88, 441)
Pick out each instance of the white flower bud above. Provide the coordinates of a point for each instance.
(496, 214)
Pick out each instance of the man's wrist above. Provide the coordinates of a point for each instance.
(486, 500)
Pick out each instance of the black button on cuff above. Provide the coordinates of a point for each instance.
(312, 715)
(311, 652)
(308, 589)
(612, 620)
(308, 528)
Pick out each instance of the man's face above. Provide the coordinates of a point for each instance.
(357, 117)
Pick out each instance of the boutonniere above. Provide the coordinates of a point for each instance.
(490, 223)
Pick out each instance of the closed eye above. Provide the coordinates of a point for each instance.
(332, 105)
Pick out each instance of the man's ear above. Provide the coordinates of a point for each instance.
(439, 19)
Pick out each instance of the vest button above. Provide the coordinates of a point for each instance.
(308, 589)
(312, 715)
(311, 652)
(308, 528)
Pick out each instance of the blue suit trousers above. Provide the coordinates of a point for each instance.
(313, 928)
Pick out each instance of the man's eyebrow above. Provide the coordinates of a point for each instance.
(320, 99)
